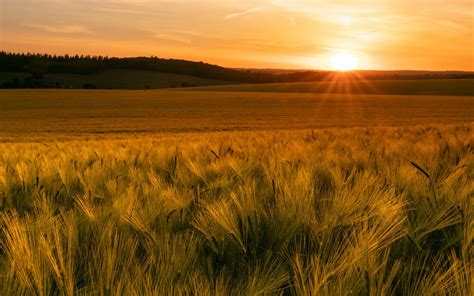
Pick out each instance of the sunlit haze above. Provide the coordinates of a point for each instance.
(320, 34)
(344, 62)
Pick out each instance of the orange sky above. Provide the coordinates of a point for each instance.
(383, 34)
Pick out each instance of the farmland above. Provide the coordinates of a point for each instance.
(81, 112)
(115, 79)
(340, 85)
(227, 192)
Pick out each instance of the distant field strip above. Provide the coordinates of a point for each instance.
(435, 87)
(81, 112)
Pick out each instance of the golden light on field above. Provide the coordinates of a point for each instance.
(344, 62)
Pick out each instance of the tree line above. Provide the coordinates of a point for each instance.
(39, 65)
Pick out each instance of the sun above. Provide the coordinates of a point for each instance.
(344, 62)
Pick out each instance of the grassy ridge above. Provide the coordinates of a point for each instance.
(117, 79)
(435, 87)
(379, 211)
(80, 112)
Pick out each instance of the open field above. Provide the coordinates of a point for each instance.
(204, 192)
(361, 211)
(26, 113)
(435, 87)
(236, 148)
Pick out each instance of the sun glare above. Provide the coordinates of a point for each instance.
(344, 62)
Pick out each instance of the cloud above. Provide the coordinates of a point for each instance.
(175, 38)
(249, 11)
(126, 11)
(71, 29)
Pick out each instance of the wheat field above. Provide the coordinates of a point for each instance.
(27, 114)
(356, 211)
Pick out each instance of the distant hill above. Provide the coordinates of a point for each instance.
(109, 79)
(40, 66)
(368, 74)
(432, 87)
(20, 70)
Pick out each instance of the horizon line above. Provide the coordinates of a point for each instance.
(232, 67)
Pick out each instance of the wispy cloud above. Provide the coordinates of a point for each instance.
(172, 38)
(70, 29)
(242, 13)
(126, 11)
